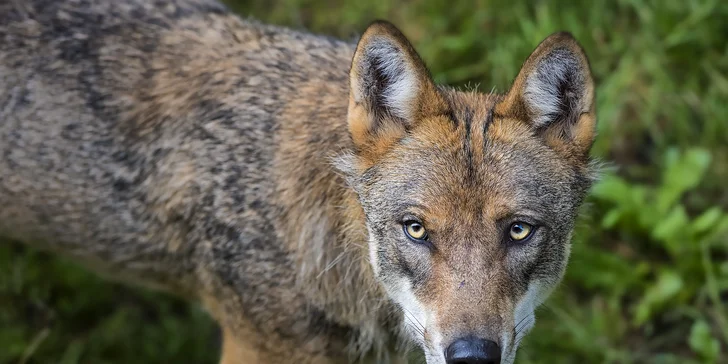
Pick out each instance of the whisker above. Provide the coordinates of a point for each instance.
(517, 329)
(417, 331)
(518, 343)
(525, 325)
(415, 319)
(520, 322)
(419, 328)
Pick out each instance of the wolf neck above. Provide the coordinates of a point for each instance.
(325, 225)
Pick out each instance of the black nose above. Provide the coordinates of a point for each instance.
(472, 350)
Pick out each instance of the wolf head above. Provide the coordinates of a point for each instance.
(470, 199)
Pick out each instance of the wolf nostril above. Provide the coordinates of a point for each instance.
(473, 350)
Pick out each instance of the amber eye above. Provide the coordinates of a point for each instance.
(520, 231)
(415, 231)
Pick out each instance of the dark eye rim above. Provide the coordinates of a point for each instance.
(528, 237)
(407, 223)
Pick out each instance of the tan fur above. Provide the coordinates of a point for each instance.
(202, 56)
(235, 351)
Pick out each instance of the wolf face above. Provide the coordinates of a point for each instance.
(470, 199)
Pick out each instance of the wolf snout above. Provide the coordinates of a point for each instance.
(472, 350)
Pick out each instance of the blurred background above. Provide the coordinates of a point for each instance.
(648, 278)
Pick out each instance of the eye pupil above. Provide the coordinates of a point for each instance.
(415, 230)
(520, 231)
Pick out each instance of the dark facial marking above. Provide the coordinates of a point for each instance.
(467, 145)
(488, 121)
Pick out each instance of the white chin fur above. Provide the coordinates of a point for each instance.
(417, 319)
(524, 317)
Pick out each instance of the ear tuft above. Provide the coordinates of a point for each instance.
(554, 92)
(390, 87)
(385, 81)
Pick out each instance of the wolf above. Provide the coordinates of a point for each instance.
(325, 201)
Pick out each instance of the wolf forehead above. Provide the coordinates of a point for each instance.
(471, 159)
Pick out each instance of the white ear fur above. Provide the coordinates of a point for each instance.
(556, 89)
(385, 79)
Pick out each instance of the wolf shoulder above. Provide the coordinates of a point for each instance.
(126, 53)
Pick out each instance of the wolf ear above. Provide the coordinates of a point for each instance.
(390, 87)
(554, 93)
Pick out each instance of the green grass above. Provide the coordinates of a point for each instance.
(648, 279)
